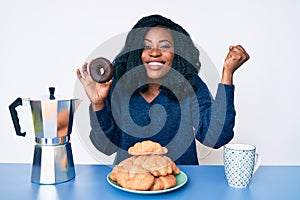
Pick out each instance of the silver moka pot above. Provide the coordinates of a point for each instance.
(52, 121)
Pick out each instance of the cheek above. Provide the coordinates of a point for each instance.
(167, 69)
(143, 56)
(171, 58)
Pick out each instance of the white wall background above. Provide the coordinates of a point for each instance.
(43, 42)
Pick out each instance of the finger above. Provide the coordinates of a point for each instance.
(240, 47)
(78, 73)
(244, 51)
(84, 69)
(79, 76)
(237, 49)
(236, 55)
(109, 83)
(241, 50)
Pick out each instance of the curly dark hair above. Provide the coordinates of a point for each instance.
(186, 59)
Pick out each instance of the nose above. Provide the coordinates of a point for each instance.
(155, 52)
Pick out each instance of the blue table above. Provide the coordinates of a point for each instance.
(204, 182)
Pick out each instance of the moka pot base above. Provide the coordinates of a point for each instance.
(52, 164)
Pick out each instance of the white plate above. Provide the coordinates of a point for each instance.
(181, 179)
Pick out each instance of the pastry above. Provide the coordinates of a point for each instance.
(147, 147)
(160, 165)
(101, 70)
(131, 176)
(147, 170)
(164, 182)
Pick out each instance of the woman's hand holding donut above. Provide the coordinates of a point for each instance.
(234, 59)
(96, 92)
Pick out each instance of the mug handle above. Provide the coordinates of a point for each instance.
(257, 162)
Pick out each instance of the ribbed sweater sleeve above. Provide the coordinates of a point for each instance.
(216, 117)
(104, 132)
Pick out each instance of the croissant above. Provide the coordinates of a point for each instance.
(147, 170)
(146, 148)
(164, 182)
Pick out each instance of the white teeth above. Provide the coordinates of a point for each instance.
(155, 63)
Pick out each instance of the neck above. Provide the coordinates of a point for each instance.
(153, 87)
(152, 92)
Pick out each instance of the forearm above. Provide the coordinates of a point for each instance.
(217, 120)
(224, 115)
(227, 77)
(104, 133)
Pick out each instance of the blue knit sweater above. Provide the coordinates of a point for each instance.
(128, 118)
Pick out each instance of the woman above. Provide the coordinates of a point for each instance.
(156, 94)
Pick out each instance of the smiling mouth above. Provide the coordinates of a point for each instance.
(155, 65)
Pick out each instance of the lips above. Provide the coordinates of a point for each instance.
(155, 65)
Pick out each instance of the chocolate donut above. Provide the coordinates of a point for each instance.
(101, 70)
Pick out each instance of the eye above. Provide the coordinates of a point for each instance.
(165, 47)
(147, 47)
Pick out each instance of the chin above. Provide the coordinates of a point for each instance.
(155, 76)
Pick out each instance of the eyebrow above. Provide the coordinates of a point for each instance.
(160, 41)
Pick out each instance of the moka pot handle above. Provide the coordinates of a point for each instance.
(14, 116)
